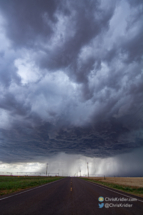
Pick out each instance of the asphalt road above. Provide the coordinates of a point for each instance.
(68, 196)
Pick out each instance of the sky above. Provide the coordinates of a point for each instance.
(71, 86)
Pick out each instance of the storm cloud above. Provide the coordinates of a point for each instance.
(71, 78)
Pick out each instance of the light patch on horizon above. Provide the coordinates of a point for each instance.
(20, 168)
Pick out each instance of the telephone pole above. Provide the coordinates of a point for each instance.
(46, 169)
(87, 170)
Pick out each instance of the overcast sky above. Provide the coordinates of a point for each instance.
(71, 85)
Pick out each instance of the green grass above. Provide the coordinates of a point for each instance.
(10, 184)
(128, 189)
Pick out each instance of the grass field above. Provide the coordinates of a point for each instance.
(130, 185)
(129, 181)
(10, 184)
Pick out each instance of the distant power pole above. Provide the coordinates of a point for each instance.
(46, 168)
(87, 169)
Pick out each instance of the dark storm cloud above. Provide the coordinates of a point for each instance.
(28, 20)
(70, 78)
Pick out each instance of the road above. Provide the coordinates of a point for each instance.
(68, 196)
